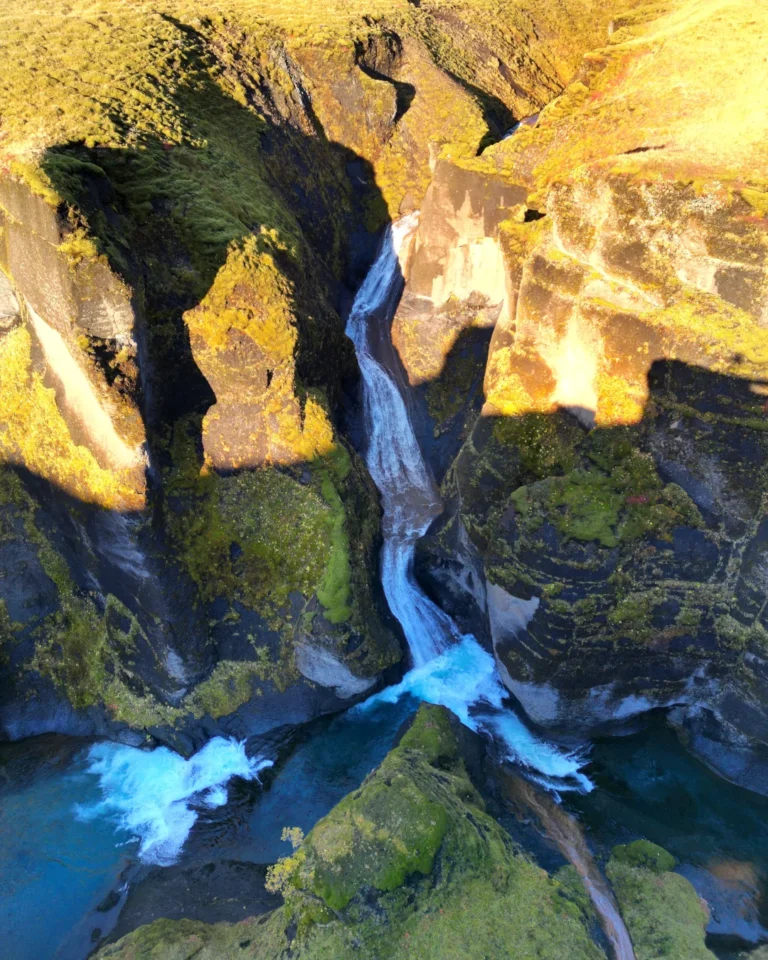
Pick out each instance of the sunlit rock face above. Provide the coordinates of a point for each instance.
(175, 255)
(70, 376)
(621, 274)
(457, 278)
(616, 474)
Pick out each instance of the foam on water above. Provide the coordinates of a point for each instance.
(465, 680)
(156, 794)
(448, 669)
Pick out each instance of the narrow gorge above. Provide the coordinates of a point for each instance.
(383, 445)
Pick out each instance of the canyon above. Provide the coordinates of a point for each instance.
(379, 354)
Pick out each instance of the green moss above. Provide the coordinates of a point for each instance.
(689, 618)
(663, 913)
(757, 199)
(645, 855)
(583, 505)
(573, 890)
(261, 535)
(408, 865)
(430, 733)
(738, 636)
(551, 590)
(78, 246)
(546, 444)
(334, 590)
(631, 616)
(229, 686)
(619, 506)
(375, 838)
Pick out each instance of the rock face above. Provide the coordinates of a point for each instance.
(606, 513)
(199, 541)
(70, 380)
(189, 545)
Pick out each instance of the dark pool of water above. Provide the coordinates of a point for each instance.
(331, 761)
(649, 786)
(54, 869)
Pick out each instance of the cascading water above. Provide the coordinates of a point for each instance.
(155, 794)
(395, 462)
(448, 668)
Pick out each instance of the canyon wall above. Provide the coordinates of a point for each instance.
(611, 493)
(189, 542)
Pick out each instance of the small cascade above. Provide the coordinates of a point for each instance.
(448, 668)
(564, 831)
(394, 459)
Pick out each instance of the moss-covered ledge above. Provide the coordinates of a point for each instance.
(408, 865)
(664, 915)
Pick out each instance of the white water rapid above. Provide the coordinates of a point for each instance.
(155, 795)
(448, 668)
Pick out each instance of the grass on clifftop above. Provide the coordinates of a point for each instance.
(620, 108)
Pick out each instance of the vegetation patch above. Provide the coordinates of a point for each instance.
(622, 502)
(261, 535)
(662, 911)
(408, 865)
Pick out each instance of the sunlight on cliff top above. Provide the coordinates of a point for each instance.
(710, 53)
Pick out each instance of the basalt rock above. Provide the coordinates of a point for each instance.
(605, 516)
(189, 545)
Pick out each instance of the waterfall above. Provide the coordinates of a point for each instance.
(448, 668)
(394, 460)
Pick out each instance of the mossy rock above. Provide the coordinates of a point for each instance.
(645, 855)
(408, 865)
(663, 913)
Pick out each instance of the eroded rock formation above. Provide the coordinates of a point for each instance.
(613, 489)
(195, 543)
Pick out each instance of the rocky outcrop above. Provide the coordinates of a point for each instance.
(457, 279)
(409, 862)
(664, 914)
(70, 378)
(175, 253)
(613, 488)
(412, 862)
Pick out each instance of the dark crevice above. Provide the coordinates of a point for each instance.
(404, 92)
(626, 153)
